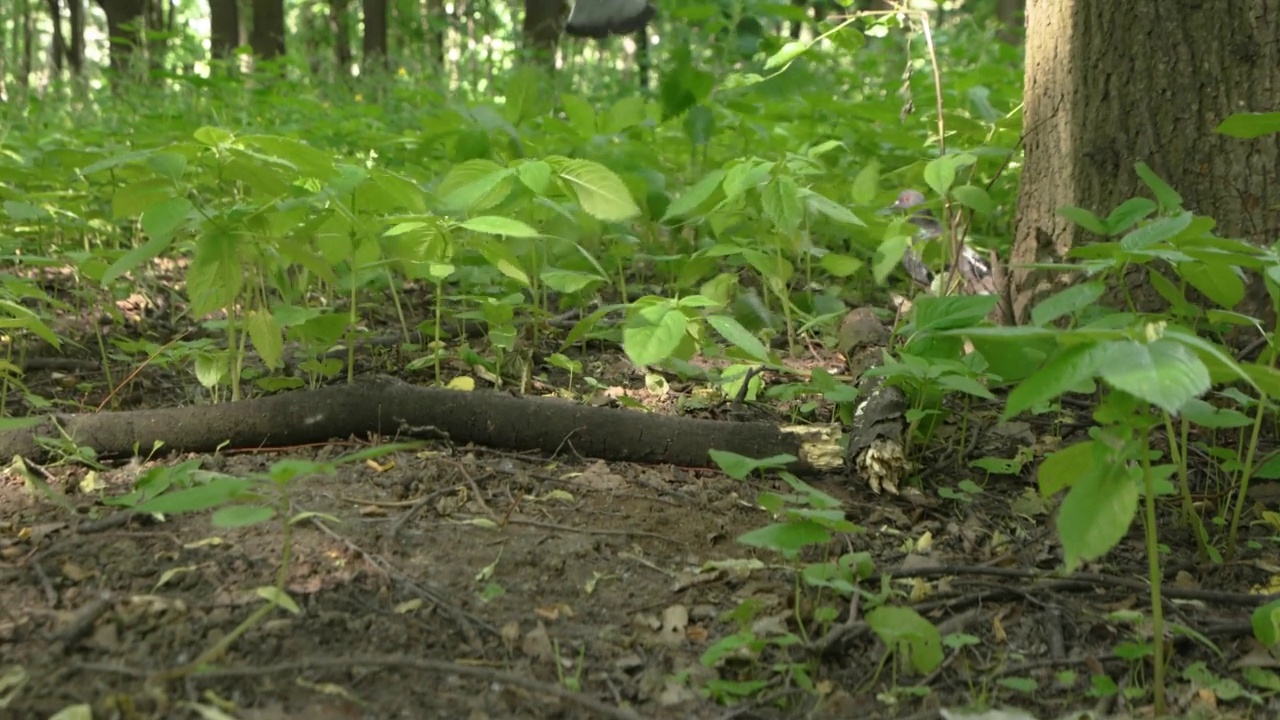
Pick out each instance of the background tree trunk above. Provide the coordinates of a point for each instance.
(1108, 85)
(543, 22)
(375, 36)
(340, 26)
(123, 42)
(224, 28)
(267, 36)
(75, 53)
(58, 49)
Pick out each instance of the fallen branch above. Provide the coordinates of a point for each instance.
(392, 408)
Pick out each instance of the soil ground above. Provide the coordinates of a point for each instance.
(471, 583)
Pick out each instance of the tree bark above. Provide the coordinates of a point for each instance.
(1109, 85)
(267, 36)
(75, 53)
(543, 23)
(224, 28)
(374, 45)
(58, 50)
(124, 43)
(340, 26)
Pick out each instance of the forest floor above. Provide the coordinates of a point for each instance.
(465, 582)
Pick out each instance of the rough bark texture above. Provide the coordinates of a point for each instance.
(267, 36)
(224, 28)
(1110, 84)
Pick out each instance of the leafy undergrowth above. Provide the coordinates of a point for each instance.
(1076, 530)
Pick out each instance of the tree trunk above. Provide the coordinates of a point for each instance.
(374, 46)
(340, 26)
(224, 28)
(75, 53)
(1109, 85)
(267, 36)
(543, 23)
(123, 42)
(58, 49)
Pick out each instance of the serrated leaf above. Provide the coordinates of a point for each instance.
(494, 225)
(600, 192)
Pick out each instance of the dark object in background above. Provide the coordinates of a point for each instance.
(601, 18)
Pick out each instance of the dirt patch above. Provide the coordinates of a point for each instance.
(477, 584)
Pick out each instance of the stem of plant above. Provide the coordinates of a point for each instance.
(1245, 473)
(1153, 569)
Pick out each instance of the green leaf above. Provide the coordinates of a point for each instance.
(699, 125)
(781, 203)
(475, 185)
(1129, 213)
(1063, 373)
(742, 338)
(1061, 469)
(904, 630)
(1248, 126)
(1156, 231)
(1098, 509)
(582, 118)
(695, 196)
(24, 211)
(1164, 373)
(933, 313)
(600, 192)
(648, 342)
(279, 598)
(626, 113)
(168, 164)
(242, 516)
(131, 200)
(1266, 624)
(1218, 281)
(1085, 219)
(840, 265)
(500, 256)
(536, 175)
(1068, 302)
(866, 184)
(974, 198)
(1168, 198)
(215, 493)
(306, 159)
(163, 218)
(494, 225)
(212, 136)
(787, 538)
(828, 207)
(267, 337)
(214, 278)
